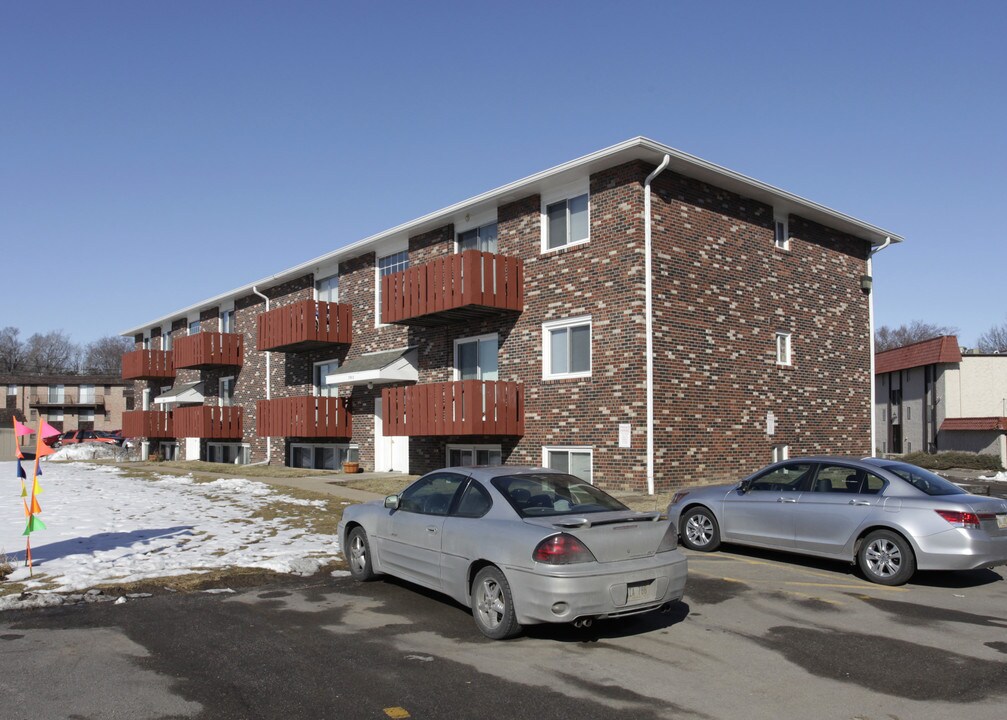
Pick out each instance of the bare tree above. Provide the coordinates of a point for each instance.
(12, 350)
(105, 354)
(53, 352)
(886, 338)
(994, 340)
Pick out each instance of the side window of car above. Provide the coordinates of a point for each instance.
(475, 501)
(431, 495)
(872, 485)
(837, 479)
(786, 478)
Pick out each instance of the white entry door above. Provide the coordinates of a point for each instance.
(192, 448)
(391, 453)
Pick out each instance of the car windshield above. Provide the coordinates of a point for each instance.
(924, 479)
(539, 494)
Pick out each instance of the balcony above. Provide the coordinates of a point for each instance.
(206, 350)
(463, 407)
(208, 421)
(453, 288)
(303, 417)
(147, 423)
(306, 325)
(67, 400)
(148, 365)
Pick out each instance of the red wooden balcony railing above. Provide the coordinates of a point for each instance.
(463, 407)
(208, 350)
(148, 365)
(305, 325)
(453, 288)
(147, 423)
(309, 417)
(207, 421)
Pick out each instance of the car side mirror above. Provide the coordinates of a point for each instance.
(392, 502)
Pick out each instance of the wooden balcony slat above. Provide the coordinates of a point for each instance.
(304, 416)
(209, 350)
(208, 421)
(305, 325)
(148, 365)
(454, 408)
(147, 423)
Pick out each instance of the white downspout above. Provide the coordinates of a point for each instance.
(870, 315)
(269, 385)
(649, 319)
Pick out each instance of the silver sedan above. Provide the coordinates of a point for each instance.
(518, 545)
(890, 517)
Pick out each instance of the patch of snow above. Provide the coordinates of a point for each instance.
(103, 526)
(340, 573)
(999, 477)
(87, 451)
(218, 591)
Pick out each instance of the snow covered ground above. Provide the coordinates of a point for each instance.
(103, 526)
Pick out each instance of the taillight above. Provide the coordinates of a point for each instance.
(678, 496)
(670, 539)
(959, 518)
(562, 549)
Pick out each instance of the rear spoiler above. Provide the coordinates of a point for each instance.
(584, 522)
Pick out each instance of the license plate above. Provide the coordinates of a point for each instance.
(1002, 520)
(640, 592)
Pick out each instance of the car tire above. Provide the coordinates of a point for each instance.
(493, 605)
(358, 555)
(699, 530)
(886, 558)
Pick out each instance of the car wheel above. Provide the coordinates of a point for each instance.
(886, 558)
(359, 555)
(699, 530)
(493, 606)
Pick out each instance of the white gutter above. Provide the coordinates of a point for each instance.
(870, 314)
(269, 386)
(649, 319)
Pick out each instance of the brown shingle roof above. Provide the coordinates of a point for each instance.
(975, 423)
(929, 352)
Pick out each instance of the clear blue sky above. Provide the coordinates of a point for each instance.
(155, 154)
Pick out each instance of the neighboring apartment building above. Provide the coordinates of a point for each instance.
(930, 397)
(69, 402)
(516, 326)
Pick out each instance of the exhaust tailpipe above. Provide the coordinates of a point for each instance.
(585, 622)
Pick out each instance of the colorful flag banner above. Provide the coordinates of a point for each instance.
(20, 471)
(46, 430)
(21, 429)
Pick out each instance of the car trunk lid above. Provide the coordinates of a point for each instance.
(992, 514)
(611, 536)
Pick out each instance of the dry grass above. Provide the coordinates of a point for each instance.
(646, 503)
(382, 485)
(246, 471)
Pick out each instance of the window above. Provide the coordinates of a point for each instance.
(233, 453)
(476, 358)
(781, 232)
(145, 401)
(56, 393)
(225, 395)
(55, 415)
(227, 321)
(327, 289)
(87, 394)
(388, 265)
(838, 479)
(566, 348)
(469, 455)
(475, 501)
(431, 495)
(788, 478)
(783, 348)
(85, 416)
(194, 327)
(482, 238)
(909, 412)
(322, 457)
(166, 341)
(321, 371)
(573, 460)
(781, 452)
(167, 450)
(12, 389)
(909, 446)
(146, 342)
(566, 222)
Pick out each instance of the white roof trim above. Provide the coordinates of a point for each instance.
(402, 369)
(638, 148)
(189, 393)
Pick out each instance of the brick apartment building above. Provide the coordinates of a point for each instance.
(68, 402)
(516, 326)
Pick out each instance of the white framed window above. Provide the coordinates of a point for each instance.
(167, 450)
(783, 356)
(482, 238)
(469, 455)
(227, 321)
(11, 390)
(566, 218)
(327, 289)
(146, 342)
(781, 232)
(232, 453)
(566, 348)
(781, 452)
(320, 371)
(576, 461)
(57, 393)
(387, 265)
(225, 394)
(55, 415)
(145, 399)
(328, 456)
(85, 416)
(193, 327)
(476, 358)
(86, 393)
(166, 338)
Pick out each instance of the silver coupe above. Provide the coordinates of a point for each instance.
(889, 517)
(518, 545)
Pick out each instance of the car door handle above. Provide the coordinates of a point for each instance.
(859, 502)
(432, 529)
(786, 499)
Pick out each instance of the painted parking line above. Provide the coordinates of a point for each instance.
(849, 585)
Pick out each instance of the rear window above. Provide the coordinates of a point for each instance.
(542, 494)
(924, 480)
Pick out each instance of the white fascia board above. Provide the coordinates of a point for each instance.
(638, 148)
